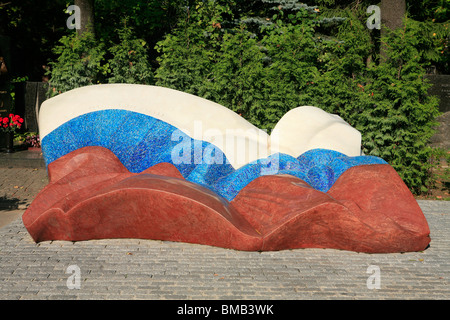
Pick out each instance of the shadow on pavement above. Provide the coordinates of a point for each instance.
(10, 203)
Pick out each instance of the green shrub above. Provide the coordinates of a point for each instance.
(80, 63)
(280, 56)
(257, 75)
(129, 62)
(85, 60)
(399, 123)
(264, 71)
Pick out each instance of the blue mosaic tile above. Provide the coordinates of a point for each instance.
(330, 165)
(151, 147)
(318, 156)
(230, 185)
(128, 136)
(321, 177)
(140, 141)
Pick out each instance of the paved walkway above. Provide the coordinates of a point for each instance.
(146, 269)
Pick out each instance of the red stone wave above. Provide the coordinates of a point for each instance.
(91, 195)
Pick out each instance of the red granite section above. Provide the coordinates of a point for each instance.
(369, 209)
(91, 195)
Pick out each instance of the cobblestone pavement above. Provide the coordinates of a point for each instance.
(147, 269)
(19, 186)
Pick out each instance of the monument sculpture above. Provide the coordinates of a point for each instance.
(136, 161)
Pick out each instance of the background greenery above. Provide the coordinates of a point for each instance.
(259, 58)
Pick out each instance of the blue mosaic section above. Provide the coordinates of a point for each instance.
(140, 141)
(320, 168)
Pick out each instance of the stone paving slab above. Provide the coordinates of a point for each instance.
(19, 186)
(148, 269)
(22, 159)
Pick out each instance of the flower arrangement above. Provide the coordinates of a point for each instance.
(33, 140)
(10, 123)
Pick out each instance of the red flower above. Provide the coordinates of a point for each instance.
(11, 123)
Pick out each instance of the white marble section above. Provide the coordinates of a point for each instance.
(300, 130)
(306, 128)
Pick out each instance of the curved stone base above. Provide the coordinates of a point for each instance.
(91, 195)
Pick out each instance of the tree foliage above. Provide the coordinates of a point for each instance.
(85, 61)
(262, 58)
(287, 56)
(79, 63)
(129, 62)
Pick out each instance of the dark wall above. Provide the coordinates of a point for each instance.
(30, 96)
(5, 97)
(441, 89)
